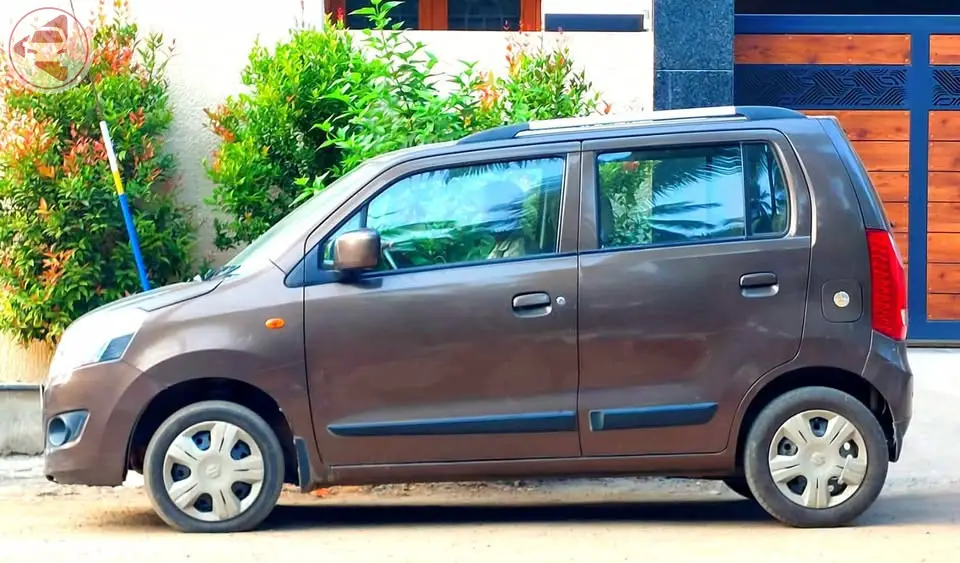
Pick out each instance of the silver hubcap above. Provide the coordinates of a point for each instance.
(818, 459)
(213, 471)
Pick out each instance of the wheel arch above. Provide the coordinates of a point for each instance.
(175, 397)
(812, 376)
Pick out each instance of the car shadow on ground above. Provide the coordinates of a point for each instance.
(890, 510)
(693, 512)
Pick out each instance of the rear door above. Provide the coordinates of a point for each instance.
(694, 253)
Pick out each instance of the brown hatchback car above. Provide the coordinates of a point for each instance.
(708, 293)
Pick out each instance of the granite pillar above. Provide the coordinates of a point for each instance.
(693, 53)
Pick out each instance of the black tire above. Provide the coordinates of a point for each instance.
(757, 469)
(739, 485)
(232, 413)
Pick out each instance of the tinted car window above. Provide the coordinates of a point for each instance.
(766, 187)
(688, 195)
(491, 211)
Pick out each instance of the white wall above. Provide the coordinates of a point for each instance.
(604, 7)
(21, 415)
(620, 65)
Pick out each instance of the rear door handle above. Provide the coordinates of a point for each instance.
(759, 284)
(534, 304)
(759, 279)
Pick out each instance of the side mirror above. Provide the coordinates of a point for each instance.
(356, 250)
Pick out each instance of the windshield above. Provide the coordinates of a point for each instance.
(295, 225)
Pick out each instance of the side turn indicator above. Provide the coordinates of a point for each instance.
(275, 323)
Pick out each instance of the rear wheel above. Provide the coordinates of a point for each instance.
(214, 466)
(816, 457)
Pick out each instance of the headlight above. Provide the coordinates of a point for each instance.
(97, 337)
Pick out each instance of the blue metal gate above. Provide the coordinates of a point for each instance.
(923, 86)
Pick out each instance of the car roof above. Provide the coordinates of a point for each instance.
(581, 129)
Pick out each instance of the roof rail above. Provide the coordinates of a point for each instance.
(749, 113)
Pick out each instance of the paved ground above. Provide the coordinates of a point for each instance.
(915, 520)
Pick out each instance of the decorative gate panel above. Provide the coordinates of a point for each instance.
(894, 84)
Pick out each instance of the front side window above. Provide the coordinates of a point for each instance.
(448, 216)
(683, 195)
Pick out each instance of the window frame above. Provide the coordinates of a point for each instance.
(590, 222)
(433, 14)
(308, 271)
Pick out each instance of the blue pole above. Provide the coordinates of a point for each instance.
(134, 241)
(125, 208)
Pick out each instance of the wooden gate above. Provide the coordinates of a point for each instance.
(894, 84)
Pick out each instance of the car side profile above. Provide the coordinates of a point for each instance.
(710, 293)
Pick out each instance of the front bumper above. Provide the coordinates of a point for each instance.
(111, 396)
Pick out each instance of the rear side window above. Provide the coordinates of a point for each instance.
(766, 191)
(685, 195)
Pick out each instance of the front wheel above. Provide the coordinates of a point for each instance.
(816, 457)
(214, 466)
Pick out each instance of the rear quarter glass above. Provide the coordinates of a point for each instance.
(871, 207)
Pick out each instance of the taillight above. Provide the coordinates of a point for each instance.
(888, 286)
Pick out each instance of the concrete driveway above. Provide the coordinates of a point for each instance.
(646, 520)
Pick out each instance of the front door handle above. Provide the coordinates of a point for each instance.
(534, 304)
(759, 284)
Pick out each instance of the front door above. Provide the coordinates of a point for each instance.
(462, 345)
(694, 279)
